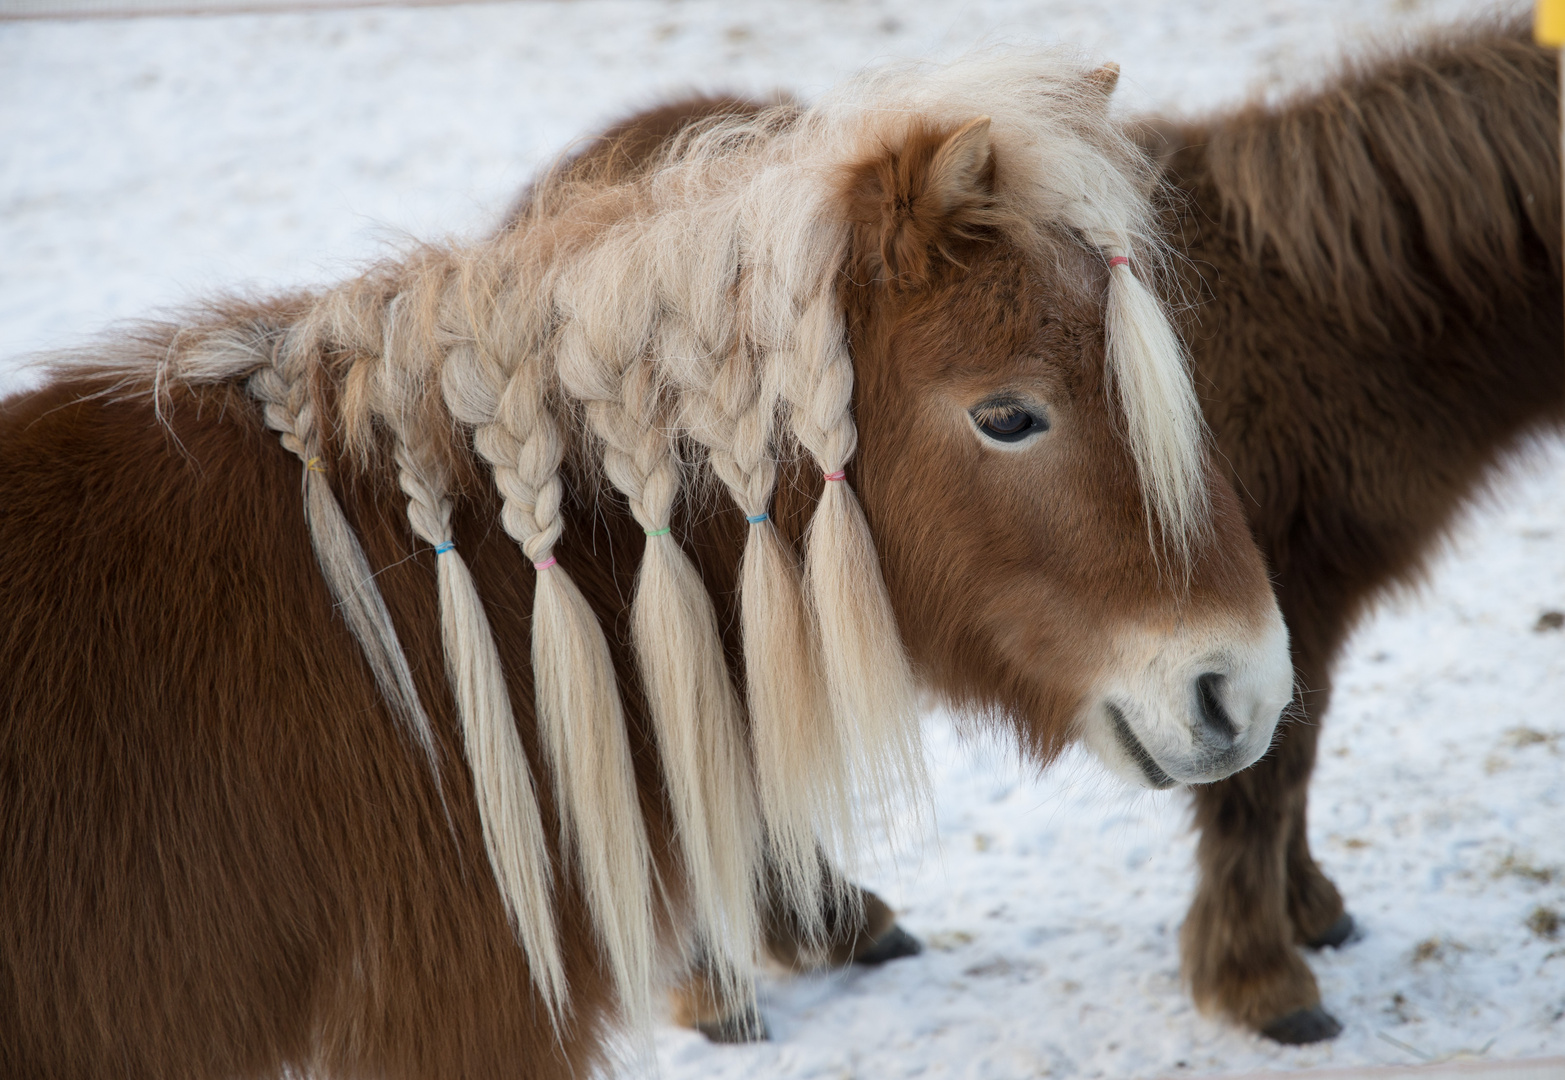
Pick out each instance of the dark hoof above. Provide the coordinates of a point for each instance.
(743, 1027)
(1303, 1026)
(1338, 933)
(894, 944)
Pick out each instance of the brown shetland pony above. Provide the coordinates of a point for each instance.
(1378, 326)
(226, 851)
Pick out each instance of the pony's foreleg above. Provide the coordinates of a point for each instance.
(1320, 921)
(704, 1002)
(1260, 895)
(860, 929)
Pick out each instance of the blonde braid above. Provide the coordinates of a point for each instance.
(674, 627)
(502, 778)
(580, 717)
(868, 679)
(798, 751)
(282, 387)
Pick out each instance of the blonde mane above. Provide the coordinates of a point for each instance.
(691, 310)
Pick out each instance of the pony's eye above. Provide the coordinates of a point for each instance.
(1008, 422)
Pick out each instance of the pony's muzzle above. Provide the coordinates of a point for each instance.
(1190, 708)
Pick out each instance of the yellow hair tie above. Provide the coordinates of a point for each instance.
(314, 465)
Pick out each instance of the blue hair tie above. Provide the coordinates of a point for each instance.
(443, 548)
(758, 518)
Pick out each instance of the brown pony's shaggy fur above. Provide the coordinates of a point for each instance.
(200, 783)
(1378, 324)
(223, 857)
(1379, 265)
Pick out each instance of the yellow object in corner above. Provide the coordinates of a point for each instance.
(1548, 23)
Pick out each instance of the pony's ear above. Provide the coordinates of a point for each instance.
(1104, 79)
(910, 203)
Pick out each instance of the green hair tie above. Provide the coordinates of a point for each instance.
(657, 532)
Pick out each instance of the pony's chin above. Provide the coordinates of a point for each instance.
(1116, 743)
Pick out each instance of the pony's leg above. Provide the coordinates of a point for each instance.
(1314, 904)
(698, 1003)
(863, 930)
(1239, 940)
(1320, 921)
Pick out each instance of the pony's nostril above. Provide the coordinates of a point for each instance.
(1214, 717)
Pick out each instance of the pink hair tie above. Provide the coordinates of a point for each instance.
(545, 564)
(1119, 260)
(840, 474)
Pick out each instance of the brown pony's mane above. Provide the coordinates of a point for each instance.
(1348, 191)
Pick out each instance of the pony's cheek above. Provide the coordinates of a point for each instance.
(1046, 640)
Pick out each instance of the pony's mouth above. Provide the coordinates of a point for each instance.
(1148, 765)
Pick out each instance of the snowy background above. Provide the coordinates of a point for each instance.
(149, 161)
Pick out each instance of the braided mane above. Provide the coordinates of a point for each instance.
(682, 324)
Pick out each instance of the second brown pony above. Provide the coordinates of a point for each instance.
(1382, 327)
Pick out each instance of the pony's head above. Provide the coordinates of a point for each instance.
(1058, 548)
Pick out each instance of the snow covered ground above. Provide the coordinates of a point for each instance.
(153, 160)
